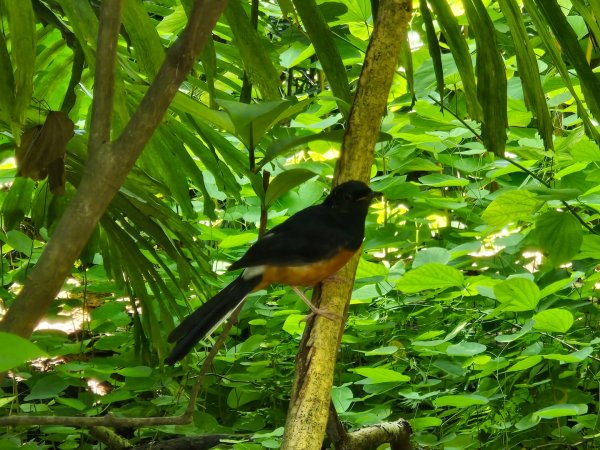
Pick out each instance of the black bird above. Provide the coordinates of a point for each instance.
(308, 247)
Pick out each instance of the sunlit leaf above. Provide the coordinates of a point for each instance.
(441, 180)
(517, 294)
(460, 401)
(525, 364)
(380, 375)
(573, 357)
(511, 206)
(561, 410)
(554, 320)
(430, 276)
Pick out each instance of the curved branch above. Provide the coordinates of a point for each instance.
(397, 434)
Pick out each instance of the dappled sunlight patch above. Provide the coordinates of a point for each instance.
(329, 155)
(489, 246)
(97, 387)
(536, 260)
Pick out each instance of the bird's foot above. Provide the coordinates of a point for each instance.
(314, 310)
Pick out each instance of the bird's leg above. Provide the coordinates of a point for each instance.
(317, 311)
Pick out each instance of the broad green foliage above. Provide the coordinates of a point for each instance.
(475, 309)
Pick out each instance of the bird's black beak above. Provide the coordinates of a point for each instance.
(370, 196)
(373, 194)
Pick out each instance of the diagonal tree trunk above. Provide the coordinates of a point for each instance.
(309, 406)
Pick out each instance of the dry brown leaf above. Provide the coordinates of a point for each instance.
(43, 149)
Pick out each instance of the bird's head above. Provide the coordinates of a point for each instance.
(351, 197)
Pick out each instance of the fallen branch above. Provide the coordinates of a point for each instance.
(397, 434)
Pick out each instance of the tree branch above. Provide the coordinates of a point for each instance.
(102, 421)
(105, 172)
(397, 434)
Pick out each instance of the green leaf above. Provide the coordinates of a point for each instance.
(553, 49)
(388, 350)
(517, 294)
(572, 51)
(544, 193)
(527, 422)
(561, 410)
(135, 372)
(367, 269)
(16, 351)
(535, 97)
(465, 349)
(237, 240)
(84, 23)
(511, 206)
(430, 276)
(461, 54)
(554, 320)
(6, 400)
(19, 241)
(559, 235)
(510, 337)
(281, 146)
(294, 324)
(323, 40)
(144, 37)
(7, 84)
(379, 375)
(442, 180)
(295, 54)
(421, 423)
(241, 396)
(252, 52)
(284, 182)
(342, 398)
(432, 255)
(23, 41)
(252, 121)
(17, 202)
(72, 403)
(460, 401)
(573, 357)
(491, 77)
(559, 285)
(525, 364)
(47, 387)
(434, 47)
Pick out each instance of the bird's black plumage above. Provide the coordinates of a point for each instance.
(302, 250)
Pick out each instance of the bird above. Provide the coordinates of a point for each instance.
(308, 247)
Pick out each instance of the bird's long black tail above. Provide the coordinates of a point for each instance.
(202, 321)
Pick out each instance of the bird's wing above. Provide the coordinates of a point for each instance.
(308, 236)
